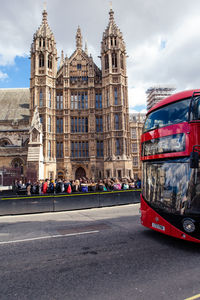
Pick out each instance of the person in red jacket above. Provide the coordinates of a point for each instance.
(45, 186)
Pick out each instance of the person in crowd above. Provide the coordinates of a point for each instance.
(15, 186)
(100, 186)
(132, 184)
(34, 188)
(39, 186)
(84, 186)
(45, 186)
(28, 188)
(110, 184)
(117, 185)
(138, 183)
(78, 185)
(58, 186)
(19, 185)
(92, 186)
(51, 187)
(67, 186)
(125, 185)
(73, 185)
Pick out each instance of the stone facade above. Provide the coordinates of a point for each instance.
(136, 126)
(14, 129)
(83, 109)
(77, 121)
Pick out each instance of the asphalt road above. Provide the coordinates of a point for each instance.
(94, 254)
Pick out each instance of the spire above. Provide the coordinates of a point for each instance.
(86, 47)
(111, 12)
(112, 27)
(44, 29)
(78, 38)
(44, 14)
(112, 35)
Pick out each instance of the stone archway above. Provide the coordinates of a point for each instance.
(60, 175)
(18, 163)
(5, 142)
(80, 173)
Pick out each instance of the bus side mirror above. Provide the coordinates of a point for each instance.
(194, 160)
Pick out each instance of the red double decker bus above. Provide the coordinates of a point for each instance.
(170, 147)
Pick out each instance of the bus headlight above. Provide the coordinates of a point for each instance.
(188, 225)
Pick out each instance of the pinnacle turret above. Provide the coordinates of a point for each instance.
(112, 36)
(111, 13)
(62, 59)
(44, 29)
(44, 17)
(78, 38)
(86, 48)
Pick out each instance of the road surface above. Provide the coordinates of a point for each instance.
(96, 254)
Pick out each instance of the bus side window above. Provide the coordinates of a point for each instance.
(196, 110)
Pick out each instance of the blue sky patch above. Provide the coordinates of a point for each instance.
(18, 75)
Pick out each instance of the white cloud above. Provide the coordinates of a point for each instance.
(162, 37)
(3, 76)
(137, 96)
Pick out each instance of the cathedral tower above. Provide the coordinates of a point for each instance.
(43, 90)
(83, 110)
(115, 102)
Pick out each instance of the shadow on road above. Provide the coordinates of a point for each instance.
(169, 241)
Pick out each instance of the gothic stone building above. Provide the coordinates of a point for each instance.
(74, 119)
(136, 126)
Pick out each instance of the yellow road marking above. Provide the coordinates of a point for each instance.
(68, 195)
(193, 297)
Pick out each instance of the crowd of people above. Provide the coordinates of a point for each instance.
(73, 186)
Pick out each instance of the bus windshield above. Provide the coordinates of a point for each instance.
(172, 186)
(174, 113)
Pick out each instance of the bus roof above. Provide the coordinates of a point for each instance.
(173, 98)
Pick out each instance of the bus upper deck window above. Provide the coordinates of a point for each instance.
(196, 109)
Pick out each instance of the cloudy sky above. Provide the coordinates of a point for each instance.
(162, 39)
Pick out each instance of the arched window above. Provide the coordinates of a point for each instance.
(122, 60)
(114, 60)
(49, 124)
(25, 144)
(33, 100)
(49, 97)
(41, 60)
(111, 41)
(49, 149)
(115, 96)
(106, 62)
(41, 98)
(80, 173)
(49, 61)
(117, 150)
(35, 135)
(5, 142)
(116, 122)
(60, 175)
(18, 163)
(33, 60)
